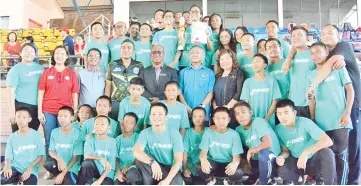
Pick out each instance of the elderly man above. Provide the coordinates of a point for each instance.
(157, 75)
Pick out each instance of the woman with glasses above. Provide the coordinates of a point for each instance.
(22, 82)
(58, 87)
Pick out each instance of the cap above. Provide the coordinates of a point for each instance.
(64, 28)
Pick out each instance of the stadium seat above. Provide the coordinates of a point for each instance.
(72, 32)
(57, 33)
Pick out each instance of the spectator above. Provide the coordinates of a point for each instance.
(92, 79)
(120, 29)
(68, 43)
(11, 48)
(156, 76)
(30, 39)
(22, 82)
(119, 74)
(79, 45)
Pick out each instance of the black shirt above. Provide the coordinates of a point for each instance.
(345, 49)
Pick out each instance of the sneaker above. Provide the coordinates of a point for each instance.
(272, 182)
(48, 176)
(320, 181)
(288, 182)
(212, 182)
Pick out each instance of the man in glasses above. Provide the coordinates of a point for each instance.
(92, 79)
(119, 74)
(120, 30)
(156, 76)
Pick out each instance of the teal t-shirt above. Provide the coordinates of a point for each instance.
(22, 151)
(142, 53)
(252, 137)
(114, 46)
(185, 60)
(161, 146)
(142, 111)
(77, 125)
(211, 56)
(302, 65)
(67, 146)
(106, 149)
(331, 99)
(240, 52)
(113, 132)
(169, 39)
(25, 80)
(103, 49)
(177, 116)
(191, 142)
(260, 95)
(302, 136)
(221, 147)
(285, 47)
(245, 63)
(125, 149)
(283, 80)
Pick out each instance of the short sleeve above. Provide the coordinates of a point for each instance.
(66, 42)
(177, 143)
(52, 141)
(204, 145)
(313, 130)
(344, 76)
(279, 137)
(262, 129)
(186, 141)
(245, 91)
(75, 87)
(79, 149)
(42, 81)
(184, 119)
(142, 139)
(9, 151)
(276, 90)
(12, 79)
(211, 83)
(237, 145)
(88, 146)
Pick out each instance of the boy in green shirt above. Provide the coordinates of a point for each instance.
(261, 141)
(24, 151)
(221, 151)
(245, 60)
(126, 171)
(100, 152)
(159, 150)
(65, 149)
(304, 147)
(177, 113)
(135, 103)
(335, 119)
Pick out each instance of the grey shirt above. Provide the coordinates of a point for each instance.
(92, 86)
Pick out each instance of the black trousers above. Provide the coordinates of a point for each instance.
(218, 170)
(194, 180)
(15, 178)
(132, 176)
(340, 148)
(52, 166)
(355, 148)
(303, 111)
(322, 164)
(146, 172)
(34, 123)
(88, 171)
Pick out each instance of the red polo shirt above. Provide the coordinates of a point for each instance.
(58, 87)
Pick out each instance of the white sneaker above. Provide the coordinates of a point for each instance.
(48, 176)
(225, 182)
(212, 182)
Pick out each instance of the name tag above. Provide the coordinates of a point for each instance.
(162, 74)
(50, 77)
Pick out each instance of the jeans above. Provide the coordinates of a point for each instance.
(51, 122)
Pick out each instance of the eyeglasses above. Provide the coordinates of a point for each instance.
(272, 47)
(157, 53)
(195, 11)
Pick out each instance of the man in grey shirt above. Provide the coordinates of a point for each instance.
(156, 76)
(92, 79)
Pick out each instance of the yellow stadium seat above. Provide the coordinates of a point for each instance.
(57, 33)
(47, 32)
(37, 31)
(40, 45)
(27, 32)
(72, 32)
(59, 43)
(37, 38)
(4, 32)
(60, 38)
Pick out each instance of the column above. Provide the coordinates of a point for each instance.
(280, 12)
(121, 11)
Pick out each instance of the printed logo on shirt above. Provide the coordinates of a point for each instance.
(253, 137)
(104, 51)
(123, 150)
(115, 47)
(330, 78)
(276, 72)
(161, 146)
(141, 51)
(204, 75)
(174, 116)
(293, 141)
(102, 152)
(302, 60)
(24, 148)
(217, 144)
(162, 74)
(63, 146)
(167, 37)
(34, 72)
(117, 69)
(50, 77)
(195, 147)
(136, 70)
(247, 66)
(259, 90)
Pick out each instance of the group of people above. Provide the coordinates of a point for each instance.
(144, 112)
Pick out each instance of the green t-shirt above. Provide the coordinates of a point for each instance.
(114, 46)
(211, 56)
(245, 63)
(142, 111)
(221, 147)
(331, 99)
(177, 116)
(77, 125)
(252, 137)
(103, 49)
(22, 151)
(191, 142)
(142, 53)
(169, 39)
(25, 80)
(125, 149)
(67, 146)
(302, 136)
(106, 149)
(260, 95)
(113, 132)
(283, 80)
(302, 65)
(161, 146)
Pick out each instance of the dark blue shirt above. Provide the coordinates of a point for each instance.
(68, 41)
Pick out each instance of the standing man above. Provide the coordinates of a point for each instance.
(119, 74)
(120, 29)
(156, 76)
(134, 31)
(68, 43)
(158, 21)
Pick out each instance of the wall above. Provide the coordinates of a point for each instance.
(14, 9)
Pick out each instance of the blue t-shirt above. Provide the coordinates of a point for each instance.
(25, 79)
(68, 41)
(22, 151)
